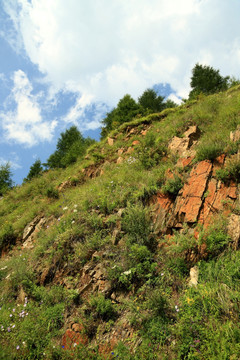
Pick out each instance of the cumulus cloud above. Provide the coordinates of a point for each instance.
(103, 50)
(23, 123)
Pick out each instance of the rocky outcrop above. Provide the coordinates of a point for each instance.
(31, 230)
(189, 201)
(201, 198)
(74, 336)
(182, 145)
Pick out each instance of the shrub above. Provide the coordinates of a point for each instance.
(103, 307)
(210, 150)
(7, 236)
(172, 186)
(136, 223)
(52, 193)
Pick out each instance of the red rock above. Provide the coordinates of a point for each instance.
(218, 163)
(71, 337)
(163, 206)
(144, 132)
(217, 200)
(184, 162)
(189, 202)
(169, 174)
(135, 142)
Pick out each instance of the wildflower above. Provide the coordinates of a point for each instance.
(25, 300)
(18, 347)
(8, 329)
(75, 205)
(10, 315)
(189, 301)
(75, 344)
(75, 210)
(176, 308)
(65, 208)
(162, 274)
(13, 310)
(13, 326)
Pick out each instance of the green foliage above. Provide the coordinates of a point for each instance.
(136, 223)
(230, 172)
(206, 80)
(7, 236)
(5, 178)
(210, 150)
(52, 193)
(216, 240)
(150, 151)
(126, 110)
(172, 186)
(103, 307)
(149, 100)
(35, 170)
(70, 146)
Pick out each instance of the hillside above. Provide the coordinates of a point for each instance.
(132, 253)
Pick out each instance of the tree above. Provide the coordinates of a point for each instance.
(206, 80)
(126, 110)
(70, 146)
(5, 178)
(35, 170)
(149, 100)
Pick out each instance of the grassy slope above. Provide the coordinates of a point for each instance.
(172, 320)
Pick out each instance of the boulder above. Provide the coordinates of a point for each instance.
(235, 135)
(234, 229)
(194, 271)
(181, 145)
(110, 141)
(119, 160)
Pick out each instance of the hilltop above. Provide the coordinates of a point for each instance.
(133, 252)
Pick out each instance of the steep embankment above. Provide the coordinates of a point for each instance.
(132, 253)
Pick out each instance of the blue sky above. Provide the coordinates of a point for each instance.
(68, 62)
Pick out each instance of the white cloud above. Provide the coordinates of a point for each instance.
(104, 49)
(23, 123)
(13, 161)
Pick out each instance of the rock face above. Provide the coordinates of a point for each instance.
(181, 146)
(190, 199)
(74, 336)
(201, 198)
(31, 231)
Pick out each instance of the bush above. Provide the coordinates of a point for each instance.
(7, 236)
(103, 307)
(172, 186)
(52, 193)
(210, 150)
(136, 223)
